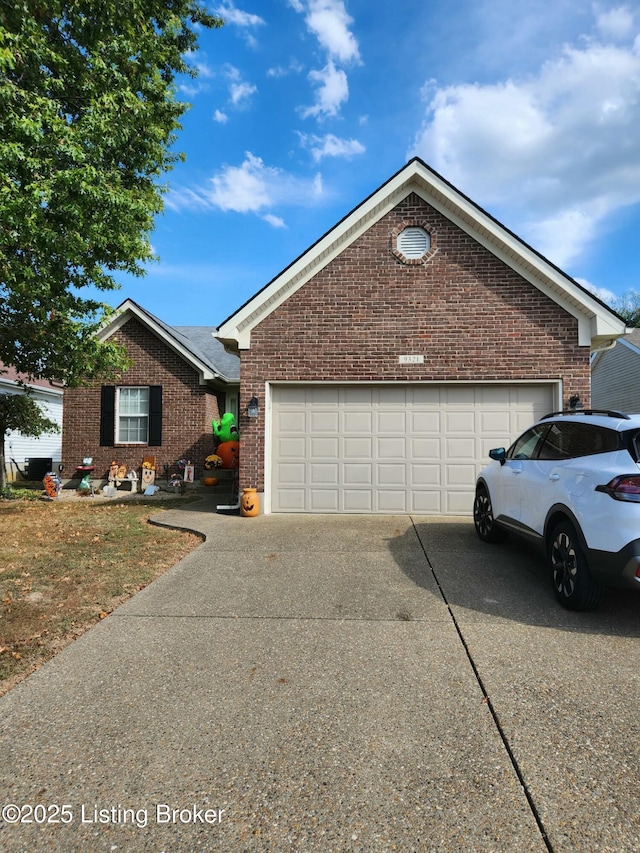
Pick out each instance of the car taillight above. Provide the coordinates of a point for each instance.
(624, 488)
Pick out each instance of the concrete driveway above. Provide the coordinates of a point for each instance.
(333, 683)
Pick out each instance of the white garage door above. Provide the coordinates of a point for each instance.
(391, 448)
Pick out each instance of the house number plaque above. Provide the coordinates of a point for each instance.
(411, 359)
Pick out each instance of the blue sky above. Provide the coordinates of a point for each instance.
(302, 108)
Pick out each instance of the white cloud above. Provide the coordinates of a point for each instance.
(242, 188)
(220, 117)
(330, 146)
(278, 71)
(601, 293)
(252, 187)
(332, 91)
(276, 221)
(238, 18)
(240, 92)
(329, 22)
(556, 152)
(616, 23)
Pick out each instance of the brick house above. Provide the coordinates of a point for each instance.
(396, 351)
(179, 380)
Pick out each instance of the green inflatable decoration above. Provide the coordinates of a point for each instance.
(226, 429)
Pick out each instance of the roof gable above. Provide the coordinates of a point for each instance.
(197, 345)
(598, 325)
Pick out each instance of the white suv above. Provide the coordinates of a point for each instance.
(572, 483)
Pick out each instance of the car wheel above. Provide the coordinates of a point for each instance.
(483, 518)
(573, 584)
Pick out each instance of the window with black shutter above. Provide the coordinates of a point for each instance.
(131, 414)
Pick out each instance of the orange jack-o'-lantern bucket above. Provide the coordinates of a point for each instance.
(249, 503)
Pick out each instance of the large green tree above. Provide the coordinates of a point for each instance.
(88, 119)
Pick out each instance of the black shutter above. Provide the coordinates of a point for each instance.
(155, 415)
(107, 415)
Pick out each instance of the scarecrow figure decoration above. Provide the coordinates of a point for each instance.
(148, 472)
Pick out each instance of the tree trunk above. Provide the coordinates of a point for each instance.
(3, 465)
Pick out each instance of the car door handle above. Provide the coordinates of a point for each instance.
(554, 476)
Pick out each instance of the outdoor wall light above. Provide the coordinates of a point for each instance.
(253, 408)
(575, 402)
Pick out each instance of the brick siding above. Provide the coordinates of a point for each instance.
(187, 409)
(471, 316)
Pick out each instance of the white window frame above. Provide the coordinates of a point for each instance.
(140, 414)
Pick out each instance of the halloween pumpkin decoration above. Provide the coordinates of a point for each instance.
(52, 485)
(225, 429)
(212, 461)
(229, 452)
(210, 481)
(249, 503)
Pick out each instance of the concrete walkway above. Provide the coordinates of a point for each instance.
(333, 683)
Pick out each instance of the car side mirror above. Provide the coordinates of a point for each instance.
(499, 454)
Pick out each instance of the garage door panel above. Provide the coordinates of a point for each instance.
(292, 395)
(328, 422)
(424, 422)
(425, 448)
(358, 395)
(391, 475)
(461, 421)
(427, 503)
(323, 500)
(358, 474)
(327, 473)
(460, 448)
(425, 475)
(357, 422)
(293, 474)
(391, 448)
(426, 395)
(495, 421)
(358, 500)
(358, 448)
(393, 423)
(392, 501)
(292, 448)
(292, 500)
(458, 503)
(322, 448)
(460, 475)
(291, 422)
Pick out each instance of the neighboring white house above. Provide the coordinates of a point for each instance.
(19, 448)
